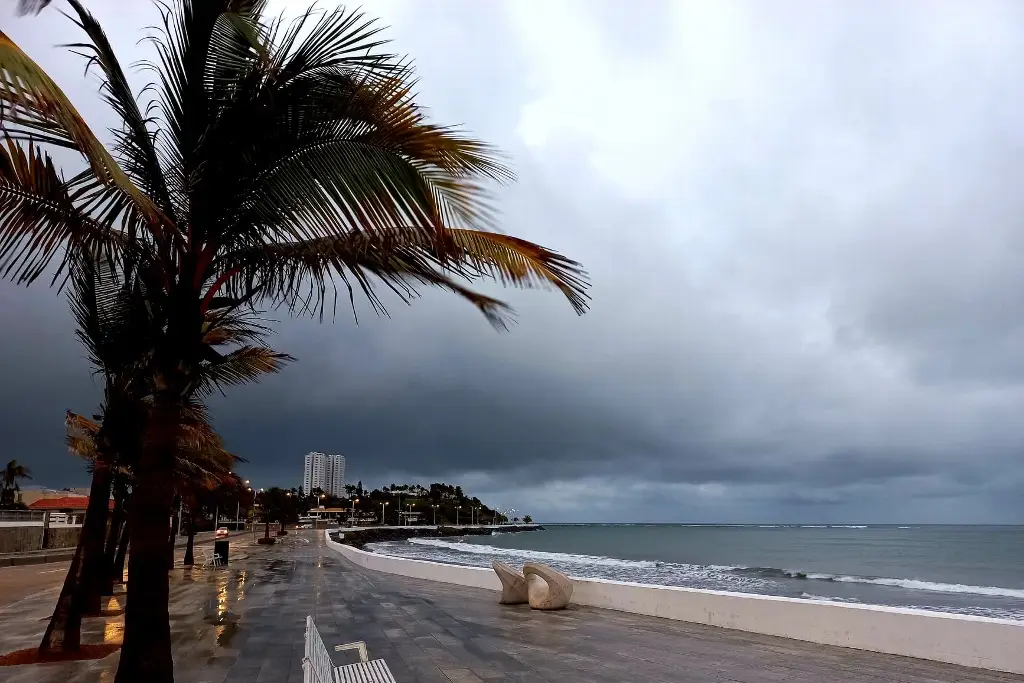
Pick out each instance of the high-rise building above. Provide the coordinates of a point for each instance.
(325, 472)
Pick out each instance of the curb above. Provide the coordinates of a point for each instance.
(62, 555)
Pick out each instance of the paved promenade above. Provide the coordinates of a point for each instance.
(245, 623)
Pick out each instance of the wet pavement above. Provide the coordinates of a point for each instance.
(246, 623)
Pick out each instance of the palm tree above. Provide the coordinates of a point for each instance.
(276, 162)
(115, 326)
(12, 473)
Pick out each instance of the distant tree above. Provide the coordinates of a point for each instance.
(12, 473)
(528, 519)
(458, 493)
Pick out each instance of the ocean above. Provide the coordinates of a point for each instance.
(975, 570)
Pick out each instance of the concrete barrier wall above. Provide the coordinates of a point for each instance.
(63, 537)
(980, 642)
(20, 539)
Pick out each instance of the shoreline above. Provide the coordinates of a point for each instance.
(979, 642)
(359, 537)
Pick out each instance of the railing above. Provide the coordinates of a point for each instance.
(23, 516)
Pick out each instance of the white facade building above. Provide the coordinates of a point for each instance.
(325, 472)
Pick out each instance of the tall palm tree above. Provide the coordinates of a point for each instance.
(10, 487)
(276, 162)
(115, 325)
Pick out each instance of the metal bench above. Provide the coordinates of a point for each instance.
(318, 668)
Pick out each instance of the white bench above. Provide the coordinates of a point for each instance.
(210, 558)
(318, 668)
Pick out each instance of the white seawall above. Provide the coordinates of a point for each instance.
(981, 642)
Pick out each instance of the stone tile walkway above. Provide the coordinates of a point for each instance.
(245, 623)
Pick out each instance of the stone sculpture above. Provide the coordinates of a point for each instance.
(513, 584)
(546, 588)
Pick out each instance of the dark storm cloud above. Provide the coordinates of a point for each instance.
(803, 229)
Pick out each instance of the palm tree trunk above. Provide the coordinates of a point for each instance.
(117, 524)
(146, 652)
(117, 571)
(83, 583)
(175, 523)
(190, 545)
(94, 530)
(64, 632)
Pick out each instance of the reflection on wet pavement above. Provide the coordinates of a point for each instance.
(113, 631)
(206, 619)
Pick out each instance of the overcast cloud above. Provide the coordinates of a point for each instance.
(803, 225)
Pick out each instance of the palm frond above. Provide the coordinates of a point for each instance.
(81, 435)
(39, 218)
(31, 101)
(31, 6)
(114, 320)
(303, 270)
(241, 366)
(135, 142)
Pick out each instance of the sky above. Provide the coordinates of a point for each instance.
(803, 226)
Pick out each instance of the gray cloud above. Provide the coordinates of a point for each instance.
(803, 230)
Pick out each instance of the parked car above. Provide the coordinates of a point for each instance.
(221, 532)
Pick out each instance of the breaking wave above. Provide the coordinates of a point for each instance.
(908, 584)
(996, 601)
(534, 555)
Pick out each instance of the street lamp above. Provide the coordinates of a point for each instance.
(408, 517)
(435, 514)
(382, 506)
(457, 508)
(353, 513)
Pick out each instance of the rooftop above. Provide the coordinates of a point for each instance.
(65, 503)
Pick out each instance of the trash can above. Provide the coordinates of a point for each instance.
(221, 548)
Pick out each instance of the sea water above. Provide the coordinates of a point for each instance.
(976, 570)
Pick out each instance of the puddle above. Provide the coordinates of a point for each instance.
(226, 633)
(113, 632)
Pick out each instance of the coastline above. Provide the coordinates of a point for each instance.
(979, 642)
(359, 537)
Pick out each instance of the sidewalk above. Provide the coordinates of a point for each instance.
(245, 624)
(203, 604)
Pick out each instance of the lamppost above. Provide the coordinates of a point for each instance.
(408, 516)
(457, 508)
(252, 510)
(238, 508)
(476, 511)
(435, 514)
(352, 515)
(382, 506)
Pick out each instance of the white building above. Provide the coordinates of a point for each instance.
(326, 472)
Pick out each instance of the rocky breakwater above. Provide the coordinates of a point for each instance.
(358, 539)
